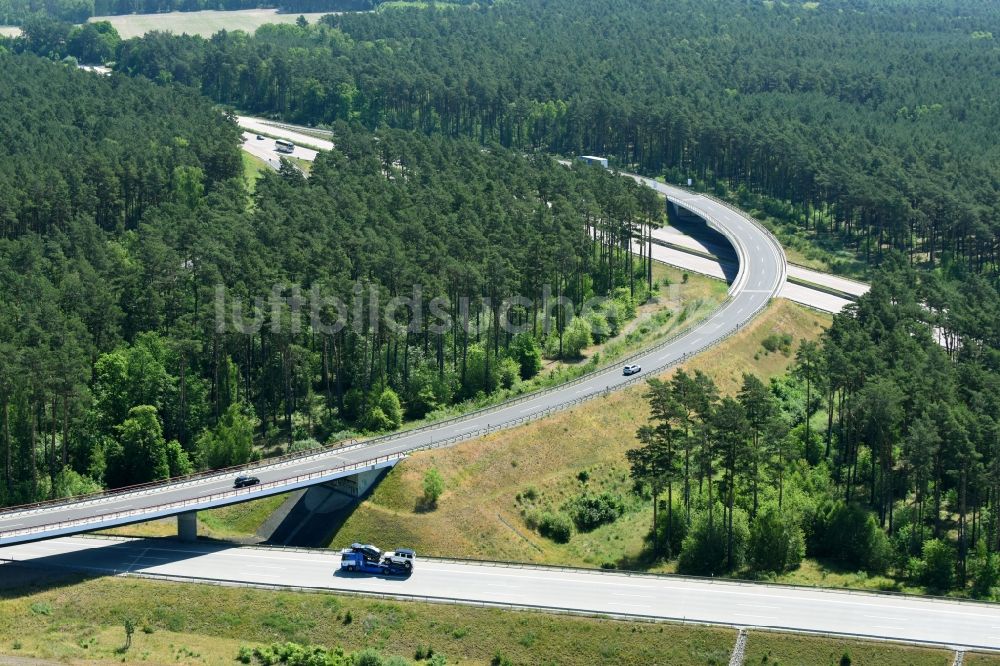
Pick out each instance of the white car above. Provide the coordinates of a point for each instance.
(401, 556)
(631, 369)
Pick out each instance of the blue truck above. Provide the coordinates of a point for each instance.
(369, 559)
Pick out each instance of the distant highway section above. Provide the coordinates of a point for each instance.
(830, 297)
(859, 614)
(265, 149)
(760, 276)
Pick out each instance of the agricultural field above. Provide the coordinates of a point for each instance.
(205, 23)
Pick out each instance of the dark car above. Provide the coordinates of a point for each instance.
(260, 138)
(367, 551)
(243, 481)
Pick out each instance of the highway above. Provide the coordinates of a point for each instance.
(671, 242)
(916, 619)
(761, 275)
(264, 149)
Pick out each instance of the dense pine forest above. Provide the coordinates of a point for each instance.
(870, 127)
(133, 260)
(883, 414)
(873, 125)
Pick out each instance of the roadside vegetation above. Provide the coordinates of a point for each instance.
(502, 491)
(122, 366)
(74, 619)
(680, 301)
(808, 456)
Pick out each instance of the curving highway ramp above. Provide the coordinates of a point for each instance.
(762, 272)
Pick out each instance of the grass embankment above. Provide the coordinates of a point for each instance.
(479, 515)
(78, 620)
(207, 625)
(252, 168)
(204, 23)
(792, 650)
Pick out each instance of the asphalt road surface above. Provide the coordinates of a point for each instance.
(264, 149)
(761, 275)
(952, 623)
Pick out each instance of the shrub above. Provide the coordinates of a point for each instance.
(591, 511)
(938, 568)
(508, 373)
(368, 657)
(704, 550)
(555, 526)
(985, 572)
(433, 486)
(524, 349)
(41, 608)
(576, 338)
(499, 659)
(850, 535)
(678, 529)
(776, 542)
(778, 342)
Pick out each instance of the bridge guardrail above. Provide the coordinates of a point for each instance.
(187, 481)
(180, 504)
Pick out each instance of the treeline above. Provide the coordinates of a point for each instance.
(880, 452)
(154, 320)
(870, 121)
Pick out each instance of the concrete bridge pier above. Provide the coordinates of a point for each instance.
(187, 526)
(355, 485)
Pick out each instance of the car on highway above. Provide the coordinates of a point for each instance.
(631, 369)
(244, 481)
(404, 557)
(367, 551)
(260, 138)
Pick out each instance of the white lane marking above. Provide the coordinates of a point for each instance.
(527, 409)
(265, 566)
(826, 595)
(759, 606)
(886, 617)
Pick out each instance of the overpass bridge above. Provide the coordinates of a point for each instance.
(761, 274)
